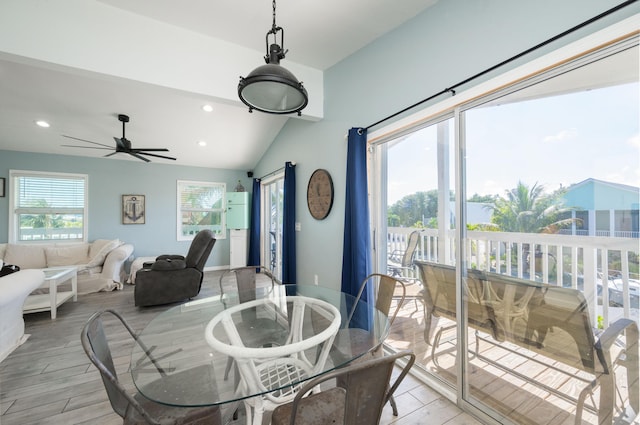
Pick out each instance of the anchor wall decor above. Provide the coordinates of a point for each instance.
(133, 210)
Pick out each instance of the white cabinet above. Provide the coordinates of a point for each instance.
(238, 247)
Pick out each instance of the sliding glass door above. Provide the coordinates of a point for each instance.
(526, 200)
(271, 215)
(544, 158)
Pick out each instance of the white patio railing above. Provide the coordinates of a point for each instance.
(46, 234)
(579, 262)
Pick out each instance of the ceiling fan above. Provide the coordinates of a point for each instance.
(122, 145)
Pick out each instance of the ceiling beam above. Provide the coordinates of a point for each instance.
(87, 36)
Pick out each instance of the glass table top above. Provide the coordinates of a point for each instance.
(173, 363)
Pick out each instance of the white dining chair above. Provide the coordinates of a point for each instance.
(278, 372)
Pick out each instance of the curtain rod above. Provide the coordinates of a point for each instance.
(275, 171)
(511, 59)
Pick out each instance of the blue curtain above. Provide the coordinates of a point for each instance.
(254, 226)
(289, 225)
(356, 258)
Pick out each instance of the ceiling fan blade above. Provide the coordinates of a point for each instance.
(157, 156)
(87, 147)
(138, 156)
(88, 141)
(151, 149)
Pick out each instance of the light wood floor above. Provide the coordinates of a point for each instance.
(49, 380)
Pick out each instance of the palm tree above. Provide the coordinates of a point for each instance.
(44, 220)
(528, 210)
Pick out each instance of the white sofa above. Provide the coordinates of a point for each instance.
(14, 289)
(100, 263)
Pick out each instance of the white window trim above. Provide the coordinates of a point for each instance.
(223, 224)
(13, 199)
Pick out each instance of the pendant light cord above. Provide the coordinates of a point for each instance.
(511, 59)
(273, 28)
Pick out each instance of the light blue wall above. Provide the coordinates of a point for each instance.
(449, 42)
(109, 179)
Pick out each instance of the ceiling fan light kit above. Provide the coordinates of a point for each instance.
(123, 145)
(271, 88)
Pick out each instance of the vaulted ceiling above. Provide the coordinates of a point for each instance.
(77, 64)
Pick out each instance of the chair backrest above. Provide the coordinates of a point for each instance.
(200, 248)
(410, 252)
(276, 371)
(367, 390)
(96, 346)
(387, 287)
(440, 297)
(565, 310)
(245, 279)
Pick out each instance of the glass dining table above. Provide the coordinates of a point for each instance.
(173, 363)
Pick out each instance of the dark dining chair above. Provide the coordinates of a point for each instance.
(136, 409)
(359, 401)
(173, 278)
(245, 283)
(350, 336)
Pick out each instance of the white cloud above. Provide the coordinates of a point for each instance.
(562, 136)
(634, 141)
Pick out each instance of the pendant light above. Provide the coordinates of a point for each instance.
(271, 88)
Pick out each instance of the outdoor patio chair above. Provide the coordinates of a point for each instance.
(136, 409)
(400, 265)
(359, 401)
(400, 262)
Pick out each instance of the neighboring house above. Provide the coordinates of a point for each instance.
(605, 208)
(478, 212)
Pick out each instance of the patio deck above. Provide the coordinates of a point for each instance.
(514, 397)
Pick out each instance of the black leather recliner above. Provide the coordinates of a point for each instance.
(173, 278)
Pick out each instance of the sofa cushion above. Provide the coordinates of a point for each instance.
(26, 256)
(3, 249)
(100, 249)
(67, 256)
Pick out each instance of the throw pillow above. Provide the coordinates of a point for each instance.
(96, 258)
(96, 246)
(67, 256)
(26, 256)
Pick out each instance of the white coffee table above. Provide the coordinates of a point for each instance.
(53, 278)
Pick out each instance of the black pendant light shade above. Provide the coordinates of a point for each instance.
(271, 88)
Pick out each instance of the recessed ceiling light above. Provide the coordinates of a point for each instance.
(202, 143)
(43, 124)
(207, 108)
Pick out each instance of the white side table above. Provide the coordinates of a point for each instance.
(53, 277)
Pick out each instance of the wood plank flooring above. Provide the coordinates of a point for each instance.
(49, 379)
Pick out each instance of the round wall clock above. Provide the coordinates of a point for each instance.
(320, 194)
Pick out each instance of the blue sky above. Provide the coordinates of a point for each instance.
(553, 141)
